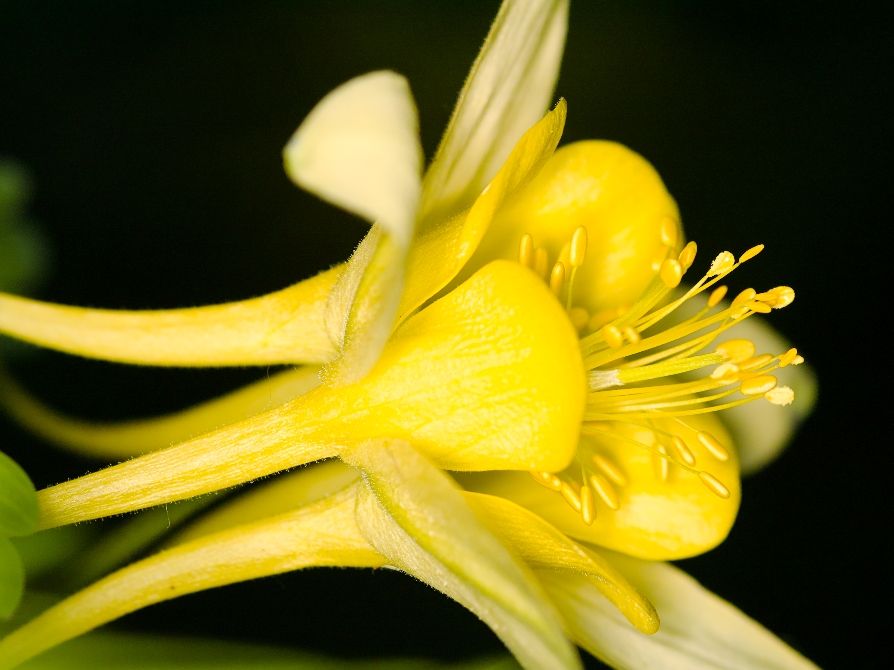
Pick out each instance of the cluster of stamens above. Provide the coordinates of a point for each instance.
(625, 349)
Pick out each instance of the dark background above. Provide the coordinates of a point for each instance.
(153, 133)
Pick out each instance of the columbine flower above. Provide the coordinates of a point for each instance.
(523, 326)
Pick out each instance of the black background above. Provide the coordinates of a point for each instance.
(153, 132)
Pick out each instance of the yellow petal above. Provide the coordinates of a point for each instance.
(283, 327)
(543, 546)
(655, 519)
(699, 631)
(359, 149)
(124, 440)
(442, 248)
(412, 513)
(617, 196)
(320, 535)
(488, 377)
(508, 88)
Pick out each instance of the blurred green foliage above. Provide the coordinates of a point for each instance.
(22, 252)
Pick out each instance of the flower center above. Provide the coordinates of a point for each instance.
(641, 363)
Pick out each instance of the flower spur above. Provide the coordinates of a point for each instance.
(439, 357)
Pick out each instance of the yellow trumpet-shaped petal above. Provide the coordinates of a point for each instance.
(416, 516)
(132, 438)
(441, 249)
(543, 546)
(283, 327)
(631, 220)
(655, 508)
(490, 376)
(320, 535)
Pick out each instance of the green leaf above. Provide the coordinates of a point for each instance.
(22, 253)
(12, 579)
(18, 500)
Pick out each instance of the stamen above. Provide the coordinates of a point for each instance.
(714, 485)
(736, 351)
(687, 256)
(579, 318)
(751, 253)
(713, 446)
(661, 462)
(671, 272)
(780, 395)
(610, 469)
(605, 491)
(526, 251)
(716, 296)
(578, 247)
(722, 264)
(557, 278)
(587, 508)
(571, 496)
(759, 385)
(613, 337)
(682, 451)
(788, 357)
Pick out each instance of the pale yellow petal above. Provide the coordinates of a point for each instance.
(543, 546)
(508, 89)
(283, 327)
(322, 534)
(760, 430)
(699, 631)
(412, 513)
(359, 149)
(132, 438)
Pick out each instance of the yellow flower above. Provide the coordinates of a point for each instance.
(515, 317)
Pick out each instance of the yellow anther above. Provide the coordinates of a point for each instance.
(671, 272)
(571, 496)
(557, 277)
(781, 395)
(798, 360)
(604, 316)
(784, 296)
(759, 307)
(610, 469)
(724, 371)
(755, 362)
(662, 463)
(548, 479)
(758, 385)
(713, 446)
(605, 490)
(587, 508)
(745, 296)
(578, 247)
(541, 262)
(526, 251)
(632, 335)
(751, 253)
(736, 351)
(579, 317)
(612, 336)
(687, 256)
(669, 228)
(723, 263)
(716, 296)
(788, 357)
(714, 485)
(682, 450)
